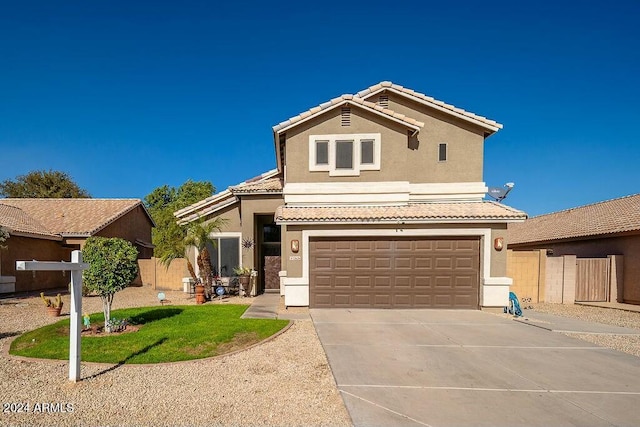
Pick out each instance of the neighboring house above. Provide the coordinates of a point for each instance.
(49, 229)
(376, 201)
(598, 230)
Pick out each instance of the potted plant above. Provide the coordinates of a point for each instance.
(244, 277)
(53, 307)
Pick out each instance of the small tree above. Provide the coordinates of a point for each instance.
(113, 266)
(196, 234)
(42, 184)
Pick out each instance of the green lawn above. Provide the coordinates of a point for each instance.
(166, 334)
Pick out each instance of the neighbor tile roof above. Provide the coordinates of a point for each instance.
(603, 218)
(353, 100)
(418, 212)
(73, 217)
(16, 221)
(429, 101)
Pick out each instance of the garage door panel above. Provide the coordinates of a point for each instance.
(382, 263)
(442, 263)
(403, 263)
(344, 282)
(463, 263)
(343, 263)
(363, 263)
(363, 282)
(423, 263)
(399, 272)
(401, 282)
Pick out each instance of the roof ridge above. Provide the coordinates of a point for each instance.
(585, 206)
(390, 85)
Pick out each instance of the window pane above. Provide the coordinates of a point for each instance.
(366, 150)
(213, 254)
(322, 153)
(229, 249)
(442, 152)
(344, 154)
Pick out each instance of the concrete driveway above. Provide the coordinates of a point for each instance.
(472, 368)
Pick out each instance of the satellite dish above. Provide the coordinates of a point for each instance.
(496, 192)
(500, 193)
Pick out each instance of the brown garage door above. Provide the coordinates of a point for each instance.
(394, 272)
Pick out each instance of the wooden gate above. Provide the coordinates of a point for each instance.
(592, 279)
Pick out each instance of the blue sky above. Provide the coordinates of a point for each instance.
(127, 96)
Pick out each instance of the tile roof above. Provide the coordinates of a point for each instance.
(603, 218)
(416, 212)
(270, 185)
(73, 217)
(352, 100)
(16, 221)
(428, 100)
(359, 99)
(269, 182)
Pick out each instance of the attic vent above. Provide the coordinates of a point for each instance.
(345, 118)
(383, 101)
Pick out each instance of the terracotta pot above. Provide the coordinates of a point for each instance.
(54, 311)
(200, 298)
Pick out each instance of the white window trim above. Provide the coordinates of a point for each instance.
(222, 235)
(357, 155)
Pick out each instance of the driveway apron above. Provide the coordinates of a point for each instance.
(472, 368)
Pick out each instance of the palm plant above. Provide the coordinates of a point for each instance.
(197, 234)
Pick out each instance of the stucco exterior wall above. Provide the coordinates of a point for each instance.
(400, 159)
(23, 249)
(131, 226)
(465, 142)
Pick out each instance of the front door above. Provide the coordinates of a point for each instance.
(270, 254)
(271, 272)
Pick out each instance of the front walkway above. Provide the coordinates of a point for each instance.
(271, 306)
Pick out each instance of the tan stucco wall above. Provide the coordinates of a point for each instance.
(499, 258)
(231, 218)
(131, 226)
(23, 249)
(293, 267)
(398, 162)
(465, 142)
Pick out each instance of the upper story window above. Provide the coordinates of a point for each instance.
(344, 154)
(322, 152)
(442, 152)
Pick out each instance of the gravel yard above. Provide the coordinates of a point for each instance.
(285, 381)
(625, 343)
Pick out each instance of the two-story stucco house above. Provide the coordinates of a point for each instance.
(376, 201)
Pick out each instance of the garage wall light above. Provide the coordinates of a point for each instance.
(498, 243)
(295, 246)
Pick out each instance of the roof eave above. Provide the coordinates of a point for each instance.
(400, 221)
(490, 127)
(278, 131)
(32, 235)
